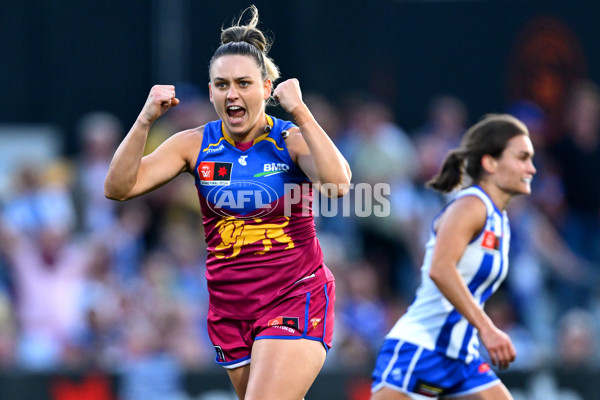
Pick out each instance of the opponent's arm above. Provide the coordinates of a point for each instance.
(315, 152)
(458, 225)
(129, 174)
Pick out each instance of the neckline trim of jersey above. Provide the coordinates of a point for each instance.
(264, 136)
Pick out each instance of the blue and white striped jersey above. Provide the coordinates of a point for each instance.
(431, 321)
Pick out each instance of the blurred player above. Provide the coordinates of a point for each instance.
(432, 351)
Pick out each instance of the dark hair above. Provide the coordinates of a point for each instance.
(488, 136)
(247, 40)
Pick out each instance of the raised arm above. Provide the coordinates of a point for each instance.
(315, 153)
(130, 174)
(459, 224)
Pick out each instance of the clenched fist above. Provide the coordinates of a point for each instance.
(288, 94)
(160, 99)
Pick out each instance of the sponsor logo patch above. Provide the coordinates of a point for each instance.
(427, 389)
(215, 149)
(272, 169)
(490, 241)
(215, 173)
(291, 322)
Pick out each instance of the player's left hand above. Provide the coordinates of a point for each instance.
(288, 94)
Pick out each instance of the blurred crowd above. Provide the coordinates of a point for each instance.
(86, 282)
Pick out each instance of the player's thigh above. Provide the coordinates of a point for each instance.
(239, 379)
(496, 392)
(284, 369)
(389, 394)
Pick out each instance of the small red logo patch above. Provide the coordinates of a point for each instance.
(483, 368)
(490, 241)
(210, 171)
(206, 171)
(291, 322)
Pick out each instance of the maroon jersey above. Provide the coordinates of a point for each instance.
(258, 222)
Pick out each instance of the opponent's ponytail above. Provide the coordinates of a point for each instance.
(487, 137)
(450, 175)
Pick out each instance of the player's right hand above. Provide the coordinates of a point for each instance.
(499, 346)
(160, 99)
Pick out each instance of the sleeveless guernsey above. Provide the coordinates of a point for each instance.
(431, 321)
(258, 223)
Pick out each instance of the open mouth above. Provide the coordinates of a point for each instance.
(235, 114)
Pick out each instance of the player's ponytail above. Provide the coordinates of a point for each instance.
(450, 175)
(489, 136)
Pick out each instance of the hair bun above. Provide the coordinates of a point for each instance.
(248, 33)
(248, 40)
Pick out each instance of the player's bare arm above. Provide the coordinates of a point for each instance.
(309, 145)
(460, 223)
(130, 174)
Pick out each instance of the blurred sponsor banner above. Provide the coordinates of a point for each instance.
(214, 385)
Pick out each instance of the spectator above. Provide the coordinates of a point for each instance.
(577, 340)
(380, 152)
(49, 273)
(446, 122)
(99, 133)
(578, 158)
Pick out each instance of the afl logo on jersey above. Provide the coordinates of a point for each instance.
(243, 200)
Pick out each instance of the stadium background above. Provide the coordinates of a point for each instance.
(64, 59)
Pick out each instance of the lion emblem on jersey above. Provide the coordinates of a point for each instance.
(237, 233)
